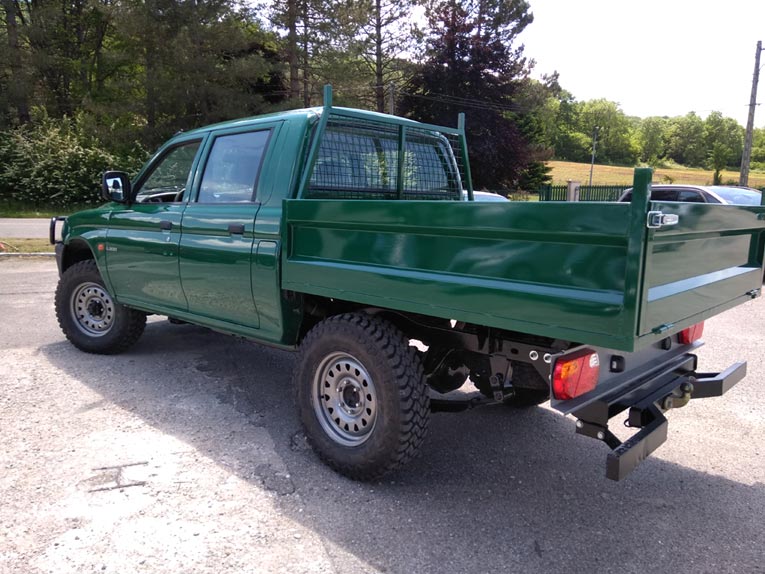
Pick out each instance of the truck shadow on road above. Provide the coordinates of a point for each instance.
(494, 490)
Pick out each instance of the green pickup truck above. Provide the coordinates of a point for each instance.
(345, 235)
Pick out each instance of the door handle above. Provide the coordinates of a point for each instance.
(166, 225)
(236, 228)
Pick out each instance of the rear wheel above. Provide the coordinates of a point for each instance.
(361, 395)
(89, 317)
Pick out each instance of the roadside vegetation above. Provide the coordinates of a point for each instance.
(86, 87)
(14, 245)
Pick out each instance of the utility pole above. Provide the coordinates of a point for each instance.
(594, 145)
(747, 155)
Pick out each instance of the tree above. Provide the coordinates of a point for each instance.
(724, 131)
(719, 155)
(651, 135)
(615, 144)
(758, 146)
(685, 140)
(17, 85)
(383, 39)
(311, 28)
(198, 63)
(472, 65)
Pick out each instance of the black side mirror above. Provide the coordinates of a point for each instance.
(115, 186)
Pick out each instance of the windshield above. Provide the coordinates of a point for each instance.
(738, 195)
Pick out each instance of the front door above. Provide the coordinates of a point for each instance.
(143, 238)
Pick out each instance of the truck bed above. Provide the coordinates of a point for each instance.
(591, 273)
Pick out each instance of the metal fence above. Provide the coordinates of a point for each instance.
(586, 192)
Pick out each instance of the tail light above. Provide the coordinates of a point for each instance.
(691, 334)
(575, 374)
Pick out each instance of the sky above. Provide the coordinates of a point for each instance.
(653, 57)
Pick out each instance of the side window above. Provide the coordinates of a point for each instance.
(663, 195)
(167, 180)
(689, 195)
(710, 199)
(232, 168)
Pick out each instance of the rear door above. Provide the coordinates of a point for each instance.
(217, 230)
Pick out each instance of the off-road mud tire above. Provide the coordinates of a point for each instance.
(113, 329)
(361, 352)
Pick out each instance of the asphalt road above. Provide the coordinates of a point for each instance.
(24, 228)
(184, 454)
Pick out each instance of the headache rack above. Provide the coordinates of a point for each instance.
(364, 155)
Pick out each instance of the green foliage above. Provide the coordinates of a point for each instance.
(109, 74)
(719, 156)
(615, 144)
(685, 140)
(724, 132)
(472, 65)
(57, 162)
(651, 136)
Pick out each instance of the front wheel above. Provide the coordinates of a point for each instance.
(89, 317)
(361, 395)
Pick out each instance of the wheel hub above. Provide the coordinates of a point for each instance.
(350, 397)
(92, 309)
(344, 399)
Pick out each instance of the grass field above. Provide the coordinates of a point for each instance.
(562, 171)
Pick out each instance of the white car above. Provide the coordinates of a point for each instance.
(726, 194)
(484, 196)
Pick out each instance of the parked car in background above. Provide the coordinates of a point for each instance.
(485, 196)
(725, 194)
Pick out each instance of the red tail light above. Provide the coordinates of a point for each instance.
(691, 334)
(575, 374)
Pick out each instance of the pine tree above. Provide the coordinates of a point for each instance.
(472, 65)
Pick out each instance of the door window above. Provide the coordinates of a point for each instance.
(168, 179)
(232, 168)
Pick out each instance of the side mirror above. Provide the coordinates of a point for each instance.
(115, 186)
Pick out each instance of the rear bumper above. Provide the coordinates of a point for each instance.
(647, 404)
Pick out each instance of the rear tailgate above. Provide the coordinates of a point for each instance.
(710, 260)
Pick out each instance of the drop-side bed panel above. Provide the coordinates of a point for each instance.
(585, 272)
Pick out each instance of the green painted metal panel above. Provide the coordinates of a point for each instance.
(712, 256)
(555, 269)
(142, 259)
(215, 264)
(589, 273)
(90, 227)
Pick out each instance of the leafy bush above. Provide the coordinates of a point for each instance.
(57, 162)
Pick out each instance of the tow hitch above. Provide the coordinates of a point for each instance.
(647, 405)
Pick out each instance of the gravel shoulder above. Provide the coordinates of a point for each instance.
(184, 455)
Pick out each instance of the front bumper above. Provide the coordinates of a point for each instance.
(647, 403)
